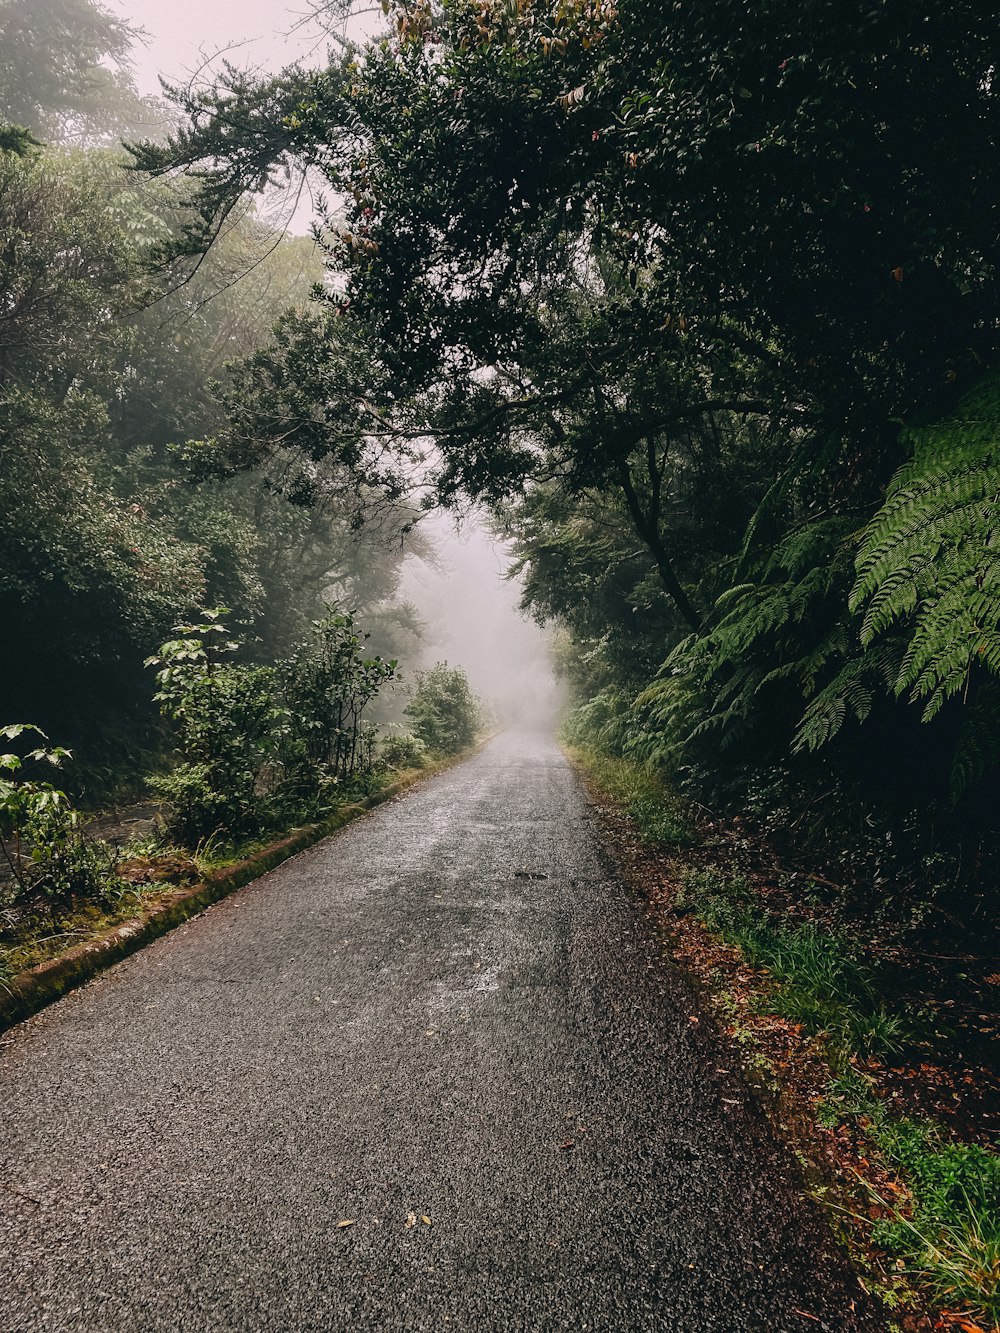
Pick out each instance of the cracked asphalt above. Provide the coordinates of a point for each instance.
(450, 1010)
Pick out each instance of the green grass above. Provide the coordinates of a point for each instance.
(821, 981)
(948, 1237)
(658, 815)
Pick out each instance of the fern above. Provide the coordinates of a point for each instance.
(930, 558)
(786, 627)
(852, 692)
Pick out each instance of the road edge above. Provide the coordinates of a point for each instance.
(35, 989)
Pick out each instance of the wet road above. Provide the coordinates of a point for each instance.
(450, 1010)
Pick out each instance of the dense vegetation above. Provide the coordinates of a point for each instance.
(704, 305)
(119, 515)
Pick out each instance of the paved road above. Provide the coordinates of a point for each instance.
(415, 1018)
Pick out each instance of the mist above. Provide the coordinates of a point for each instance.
(469, 607)
(463, 597)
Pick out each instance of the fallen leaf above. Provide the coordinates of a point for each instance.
(347, 1222)
(566, 1145)
(425, 1219)
(411, 1220)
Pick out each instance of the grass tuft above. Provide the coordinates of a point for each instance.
(947, 1233)
(659, 817)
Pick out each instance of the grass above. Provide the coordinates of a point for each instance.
(947, 1233)
(821, 981)
(659, 817)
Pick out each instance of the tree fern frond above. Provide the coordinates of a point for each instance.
(929, 557)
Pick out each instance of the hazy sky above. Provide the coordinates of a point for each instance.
(180, 33)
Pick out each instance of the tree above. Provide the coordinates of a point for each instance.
(64, 73)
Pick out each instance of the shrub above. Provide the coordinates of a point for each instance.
(258, 746)
(402, 750)
(326, 685)
(443, 711)
(226, 725)
(42, 839)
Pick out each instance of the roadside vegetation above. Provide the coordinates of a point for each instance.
(863, 1057)
(254, 754)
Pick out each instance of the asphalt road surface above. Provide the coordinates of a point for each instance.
(448, 1025)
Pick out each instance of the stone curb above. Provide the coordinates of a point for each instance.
(39, 986)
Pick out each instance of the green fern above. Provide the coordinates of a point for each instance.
(930, 558)
(852, 692)
(787, 627)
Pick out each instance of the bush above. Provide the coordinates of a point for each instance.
(259, 746)
(226, 725)
(443, 711)
(42, 839)
(402, 751)
(326, 685)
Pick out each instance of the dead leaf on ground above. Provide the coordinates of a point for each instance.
(347, 1222)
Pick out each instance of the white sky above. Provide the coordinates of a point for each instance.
(182, 33)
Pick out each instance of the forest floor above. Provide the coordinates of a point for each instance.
(877, 1049)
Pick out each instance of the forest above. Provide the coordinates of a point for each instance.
(712, 335)
(697, 305)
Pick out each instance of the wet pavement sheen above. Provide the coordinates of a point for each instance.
(451, 1010)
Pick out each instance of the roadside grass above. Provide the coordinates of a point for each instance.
(658, 815)
(946, 1232)
(822, 982)
(144, 869)
(938, 1219)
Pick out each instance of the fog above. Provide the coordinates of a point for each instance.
(180, 35)
(471, 617)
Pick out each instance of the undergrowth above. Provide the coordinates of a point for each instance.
(659, 816)
(822, 982)
(947, 1232)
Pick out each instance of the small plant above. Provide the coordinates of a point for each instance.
(40, 833)
(443, 711)
(402, 750)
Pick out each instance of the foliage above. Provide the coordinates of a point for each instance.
(444, 713)
(40, 831)
(262, 746)
(119, 514)
(327, 683)
(58, 64)
(928, 557)
(948, 1231)
(402, 750)
(223, 718)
